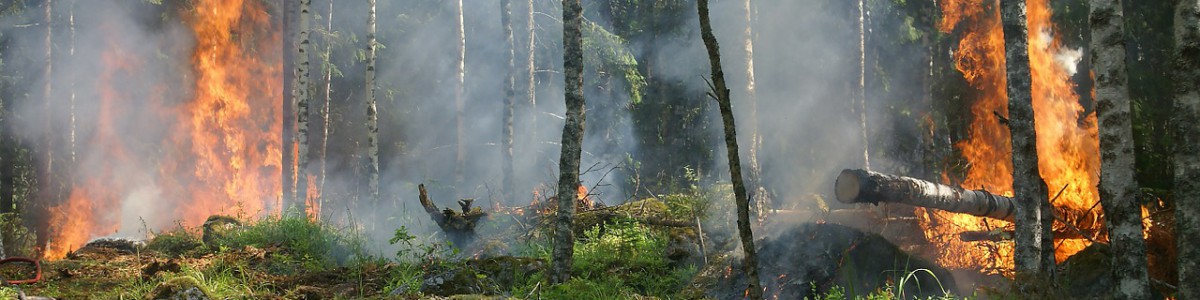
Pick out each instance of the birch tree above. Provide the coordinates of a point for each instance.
(289, 106)
(1118, 184)
(760, 199)
(721, 93)
(1187, 143)
(460, 73)
(301, 93)
(572, 141)
(372, 113)
(1033, 253)
(328, 74)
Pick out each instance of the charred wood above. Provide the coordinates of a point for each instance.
(861, 186)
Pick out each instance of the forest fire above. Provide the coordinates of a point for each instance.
(1067, 140)
(221, 153)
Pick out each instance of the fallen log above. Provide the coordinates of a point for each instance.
(861, 186)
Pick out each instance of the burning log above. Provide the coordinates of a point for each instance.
(861, 186)
(454, 223)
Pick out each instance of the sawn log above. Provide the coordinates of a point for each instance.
(861, 186)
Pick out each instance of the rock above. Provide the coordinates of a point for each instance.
(179, 288)
(218, 226)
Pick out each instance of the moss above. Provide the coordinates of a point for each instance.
(177, 285)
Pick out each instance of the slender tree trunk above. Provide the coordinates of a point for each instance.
(460, 148)
(46, 182)
(760, 198)
(372, 112)
(531, 90)
(328, 69)
(302, 95)
(1187, 143)
(572, 141)
(862, 84)
(289, 107)
(1118, 184)
(721, 92)
(1032, 222)
(71, 103)
(506, 150)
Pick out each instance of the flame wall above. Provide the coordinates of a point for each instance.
(181, 122)
(1068, 153)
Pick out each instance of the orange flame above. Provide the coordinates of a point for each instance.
(223, 154)
(1068, 153)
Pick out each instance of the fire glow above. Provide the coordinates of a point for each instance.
(223, 151)
(1068, 155)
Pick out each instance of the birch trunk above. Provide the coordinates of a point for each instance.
(572, 141)
(862, 186)
(531, 90)
(372, 112)
(328, 69)
(862, 83)
(1033, 254)
(721, 92)
(1118, 184)
(301, 92)
(506, 165)
(460, 149)
(1187, 143)
(760, 199)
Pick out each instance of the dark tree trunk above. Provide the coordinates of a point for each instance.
(572, 141)
(289, 105)
(1118, 183)
(862, 186)
(721, 92)
(1187, 143)
(1034, 252)
(506, 149)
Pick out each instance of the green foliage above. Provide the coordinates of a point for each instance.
(607, 52)
(18, 240)
(305, 242)
(175, 242)
(624, 257)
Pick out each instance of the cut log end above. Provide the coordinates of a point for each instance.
(847, 186)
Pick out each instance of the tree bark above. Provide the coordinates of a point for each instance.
(862, 186)
(71, 100)
(721, 92)
(1118, 183)
(1187, 145)
(531, 90)
(760, 199)
(289, 106)
(328, 69)
(572, 141)
(301, 93)
(862, 84)
(46, 182)
(506, 149)
(372, 112)
(460, 149)
(1033, 253)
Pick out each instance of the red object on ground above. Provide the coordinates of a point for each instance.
(36, 264)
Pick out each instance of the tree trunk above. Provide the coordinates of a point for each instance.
(862, 186)
(71, 101)
(460, 149)
(1034, 253)
(572, 141)
(506, 149)
(721, 92)
(1118, 184)
(1187, 143)
(531, 90)
(289, 107)
(372, 112)
(328, 69)
(302, 95)
(862, 83)
(46, 177)
(760, 198)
